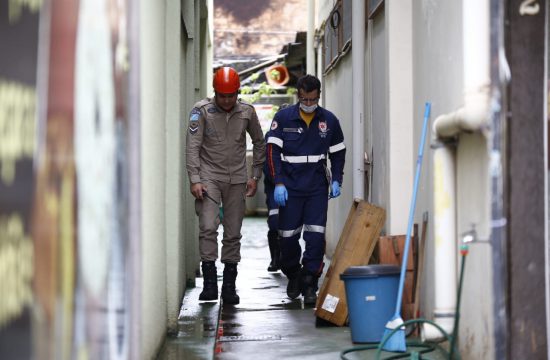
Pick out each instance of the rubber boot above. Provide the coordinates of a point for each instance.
(210, 283)
(309, 287)
(229, 291)
(294, 281)
(274, 250)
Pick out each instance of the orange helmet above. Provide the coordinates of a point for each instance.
(226, 80)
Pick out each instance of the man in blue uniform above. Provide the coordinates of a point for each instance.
(302, 137)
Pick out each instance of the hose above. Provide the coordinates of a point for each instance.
(452, 354)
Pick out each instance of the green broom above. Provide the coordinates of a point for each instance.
(397, 340)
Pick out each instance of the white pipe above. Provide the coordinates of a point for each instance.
(474, 114)
(358, 86)
(310, 46)
(445, 244)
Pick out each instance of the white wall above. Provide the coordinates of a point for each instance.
(175, 69)
(378, 134)
(437, 71)
(153, 152)
(175, 261)
(338, 99)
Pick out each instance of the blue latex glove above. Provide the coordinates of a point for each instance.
(280, 195)
(335, 189)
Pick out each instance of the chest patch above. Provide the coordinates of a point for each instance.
(293, 130)
(212, 110)
(323, 128)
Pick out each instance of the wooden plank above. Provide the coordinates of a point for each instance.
(391, 248)
(355, 247)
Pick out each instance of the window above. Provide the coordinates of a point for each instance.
(337, 33)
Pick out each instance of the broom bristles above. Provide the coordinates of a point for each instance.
(396, 342)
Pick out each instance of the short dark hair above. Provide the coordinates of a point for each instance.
(309, 83)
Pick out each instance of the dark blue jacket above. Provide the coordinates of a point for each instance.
(297, 154)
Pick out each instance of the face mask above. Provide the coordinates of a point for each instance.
(308, 109)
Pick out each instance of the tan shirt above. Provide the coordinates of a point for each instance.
(216, 143)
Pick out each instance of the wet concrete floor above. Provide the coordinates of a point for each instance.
(265, 325)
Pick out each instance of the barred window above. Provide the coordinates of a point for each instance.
(337, 33)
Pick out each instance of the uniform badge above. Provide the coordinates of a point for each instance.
(194, 121)
(274, 125)
(193, 127)
(212, 110)
(323, 129)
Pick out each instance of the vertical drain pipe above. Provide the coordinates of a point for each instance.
(310, 48)
(444, 175)
(473, 116)
(358, 100)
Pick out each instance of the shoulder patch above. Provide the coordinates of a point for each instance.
(194, 115)
(194, 120)
(274, 125)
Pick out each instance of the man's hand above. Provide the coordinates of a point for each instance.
(197, 189)
(280, 195)
(251, 186)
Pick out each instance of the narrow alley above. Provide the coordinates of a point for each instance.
(265, 325)
(107, 107)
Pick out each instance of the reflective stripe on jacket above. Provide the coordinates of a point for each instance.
(297, 154)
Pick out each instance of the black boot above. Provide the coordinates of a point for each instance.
(274, 250)
(210, 277)
(229, 293)
(294, 281)
(309, 287)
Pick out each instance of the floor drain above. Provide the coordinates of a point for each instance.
(249, 338)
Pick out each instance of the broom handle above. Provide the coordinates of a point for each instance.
(411, 211)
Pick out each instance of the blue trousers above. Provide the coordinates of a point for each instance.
(272, 207)
(307, 214)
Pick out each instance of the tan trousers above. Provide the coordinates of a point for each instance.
(233, 197)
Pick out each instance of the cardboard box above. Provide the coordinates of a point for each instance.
(355, 247)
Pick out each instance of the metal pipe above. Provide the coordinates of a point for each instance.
(474, 115)
(358, 102)
(310, 46)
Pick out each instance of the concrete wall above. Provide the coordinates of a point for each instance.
(176, 71)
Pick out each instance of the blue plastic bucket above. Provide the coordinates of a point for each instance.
(371, 293)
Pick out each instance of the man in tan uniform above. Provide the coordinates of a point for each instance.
(216, 165)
